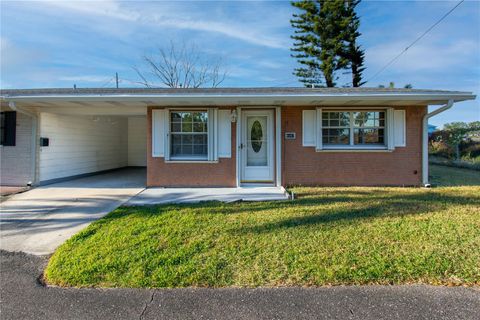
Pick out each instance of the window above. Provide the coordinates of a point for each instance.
(189, 135)
(2, 128)
(353, 128)
(8, 126)
(369, 127)
(336, 128)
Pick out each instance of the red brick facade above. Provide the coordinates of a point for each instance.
(162, 174)
(303, 165)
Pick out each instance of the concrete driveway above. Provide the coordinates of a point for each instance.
(39, 220)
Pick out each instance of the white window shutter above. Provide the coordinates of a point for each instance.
(400, 128)
(224, 134)
(390, 130)
(166, 134)
(212, 134)
(318, 129)
(308, 128)
(158, 133)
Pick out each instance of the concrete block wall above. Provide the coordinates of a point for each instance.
(15, 161)
(81, 144)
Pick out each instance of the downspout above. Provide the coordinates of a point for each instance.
(425, 140)
(33, 164)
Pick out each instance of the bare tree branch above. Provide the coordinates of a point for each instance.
(181, 67)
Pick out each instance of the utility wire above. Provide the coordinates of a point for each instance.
(108, 82)
(414, 42)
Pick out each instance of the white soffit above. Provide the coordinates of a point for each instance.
(421, 97)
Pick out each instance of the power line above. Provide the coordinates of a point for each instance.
(414, 42)
(107, 83)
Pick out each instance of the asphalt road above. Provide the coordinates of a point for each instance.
(22, 296)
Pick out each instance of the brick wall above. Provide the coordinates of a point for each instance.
(305, 166)
(161, 174)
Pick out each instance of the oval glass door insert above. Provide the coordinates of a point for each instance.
(256, 135)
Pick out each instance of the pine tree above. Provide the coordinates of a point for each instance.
(325, 41)
(330, 27)
(353, 53)
(305, 46)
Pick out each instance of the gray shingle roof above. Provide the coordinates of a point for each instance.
(219, 91)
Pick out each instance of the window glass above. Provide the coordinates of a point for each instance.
(368, 136)
(189, 135)
(336, 136)
(371, 127)
(338, 124)
(2, 128)
(367, 128)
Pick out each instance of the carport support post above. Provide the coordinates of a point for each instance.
(425, 140)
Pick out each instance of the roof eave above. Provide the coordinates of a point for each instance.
(457, 97)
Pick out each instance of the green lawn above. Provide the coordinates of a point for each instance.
(451, 176)
(327, 236)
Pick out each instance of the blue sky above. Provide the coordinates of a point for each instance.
(59, 43)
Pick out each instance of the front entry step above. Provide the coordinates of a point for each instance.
(152, 196)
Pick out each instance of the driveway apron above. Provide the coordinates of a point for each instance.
(39, 220)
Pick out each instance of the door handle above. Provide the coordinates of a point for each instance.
(241, 146)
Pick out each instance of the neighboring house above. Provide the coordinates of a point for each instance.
(223, 137)
(431, 129)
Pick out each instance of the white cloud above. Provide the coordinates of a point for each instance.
(175, 18)
(271, 64)
(105, 8)
(13, 56)
(85, 78)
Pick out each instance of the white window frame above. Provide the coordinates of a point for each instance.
(212, 128)
(351, 146)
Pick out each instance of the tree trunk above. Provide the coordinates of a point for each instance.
(355, 78)
(329, 81)
(457, 151)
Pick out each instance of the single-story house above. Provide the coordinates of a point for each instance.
(224, 137)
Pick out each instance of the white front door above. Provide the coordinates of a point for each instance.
(257, 160)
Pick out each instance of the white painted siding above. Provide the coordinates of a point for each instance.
(137, 141)
(15, 163)
(79, 145)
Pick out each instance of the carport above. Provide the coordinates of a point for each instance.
(73, 137)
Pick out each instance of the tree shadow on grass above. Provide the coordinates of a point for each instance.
(389, 199)
(372, 207)
(313, 208)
